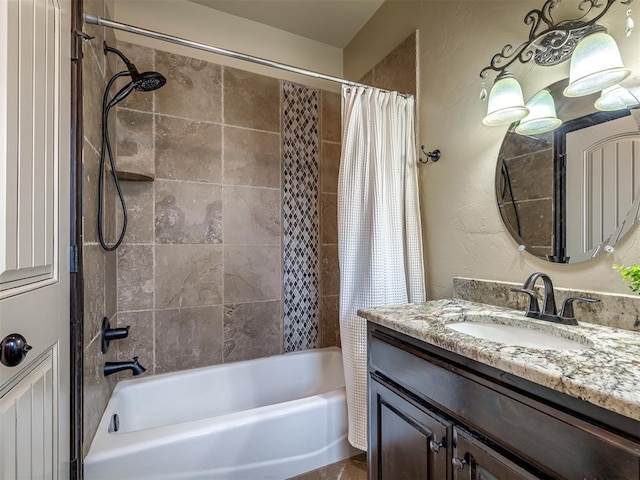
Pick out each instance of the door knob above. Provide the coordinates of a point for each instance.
(13, 349)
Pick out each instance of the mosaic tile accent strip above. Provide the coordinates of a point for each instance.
(300, 218)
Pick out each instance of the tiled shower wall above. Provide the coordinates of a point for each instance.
(99, 266)
(200, 274)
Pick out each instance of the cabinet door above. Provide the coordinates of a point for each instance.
(474, 460)
(406, 441)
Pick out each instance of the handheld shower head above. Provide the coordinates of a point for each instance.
(147, 81)
(140, 82)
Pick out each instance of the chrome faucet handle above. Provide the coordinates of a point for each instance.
(567, 305)
(533, 299)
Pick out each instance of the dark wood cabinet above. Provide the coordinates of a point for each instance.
(436, 415)
(474, 460)
(409, 441)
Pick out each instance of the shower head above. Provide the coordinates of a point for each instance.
(146, 81)
(141, 82)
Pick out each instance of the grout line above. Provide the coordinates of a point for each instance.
(195, 120)
(213, 183)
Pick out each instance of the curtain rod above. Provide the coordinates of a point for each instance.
(93, 20)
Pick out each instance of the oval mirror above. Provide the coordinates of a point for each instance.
(571, 194)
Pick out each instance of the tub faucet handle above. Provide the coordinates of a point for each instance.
(109, 334)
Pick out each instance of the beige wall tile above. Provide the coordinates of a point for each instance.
(330, 275)
(252, 273)
(96, 389)
(139, 199)
(331, 124)
(330, 321)
(193, 89)
(94, 7)
(330, 167)
(397, 71)
(329, 218)
(251, 215)
(188, 276)
(251, 100)
(188, 150)
(251, 158)
(91, 170)
(188, 338)
(135, 277)
(110, 283)
(93, 85)
(139, 343)
(252, 330)
(93, 258)
(134, 133)
(188, 212)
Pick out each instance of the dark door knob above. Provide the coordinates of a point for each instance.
(13, 349)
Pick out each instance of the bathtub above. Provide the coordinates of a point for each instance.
(269, 418)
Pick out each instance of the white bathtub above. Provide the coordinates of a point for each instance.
(269, 418)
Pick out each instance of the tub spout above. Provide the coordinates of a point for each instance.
(114, 367)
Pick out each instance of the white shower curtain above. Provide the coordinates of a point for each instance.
(379, 236)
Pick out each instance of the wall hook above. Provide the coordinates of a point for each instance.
(434, 156)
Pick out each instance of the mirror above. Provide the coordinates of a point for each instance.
(569, 195)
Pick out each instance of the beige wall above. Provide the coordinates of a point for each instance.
(201, 24)
(463, 232)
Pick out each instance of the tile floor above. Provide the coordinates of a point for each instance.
(354, 468)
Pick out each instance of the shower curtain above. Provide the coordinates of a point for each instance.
(379, 236)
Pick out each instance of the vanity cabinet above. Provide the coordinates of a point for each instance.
(436, 415)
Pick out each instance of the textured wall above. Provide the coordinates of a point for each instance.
(463, 232)
(99, 267)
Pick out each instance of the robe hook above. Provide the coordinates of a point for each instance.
(434, 156)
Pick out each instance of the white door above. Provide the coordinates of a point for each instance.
(34, 236)
(603, 174)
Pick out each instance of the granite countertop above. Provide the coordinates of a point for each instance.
(607, 373)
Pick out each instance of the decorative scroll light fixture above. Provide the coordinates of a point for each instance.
(595, 64)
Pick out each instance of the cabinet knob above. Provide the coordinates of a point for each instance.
(459, 463)
(436, 446)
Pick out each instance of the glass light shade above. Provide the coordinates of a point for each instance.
(542, 115)
(615, 98)
(595, 65)
(506, 104)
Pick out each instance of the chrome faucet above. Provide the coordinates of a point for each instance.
(115, 367)
(549, 311)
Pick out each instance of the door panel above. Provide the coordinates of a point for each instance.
(27, 415)
(473, 460)
(28, 128)
(35, 69)
(408, 443)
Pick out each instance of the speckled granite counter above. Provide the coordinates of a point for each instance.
(606, 374)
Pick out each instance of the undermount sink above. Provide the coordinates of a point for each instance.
(516, 335)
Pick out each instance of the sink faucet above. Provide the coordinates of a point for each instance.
(114, 367)
(549, 311)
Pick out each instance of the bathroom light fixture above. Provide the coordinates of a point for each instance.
(596, 64)
(506, 104)
(551, 43)
(616, 97)
(542, 115)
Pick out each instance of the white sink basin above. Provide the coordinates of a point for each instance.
(516, 336)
